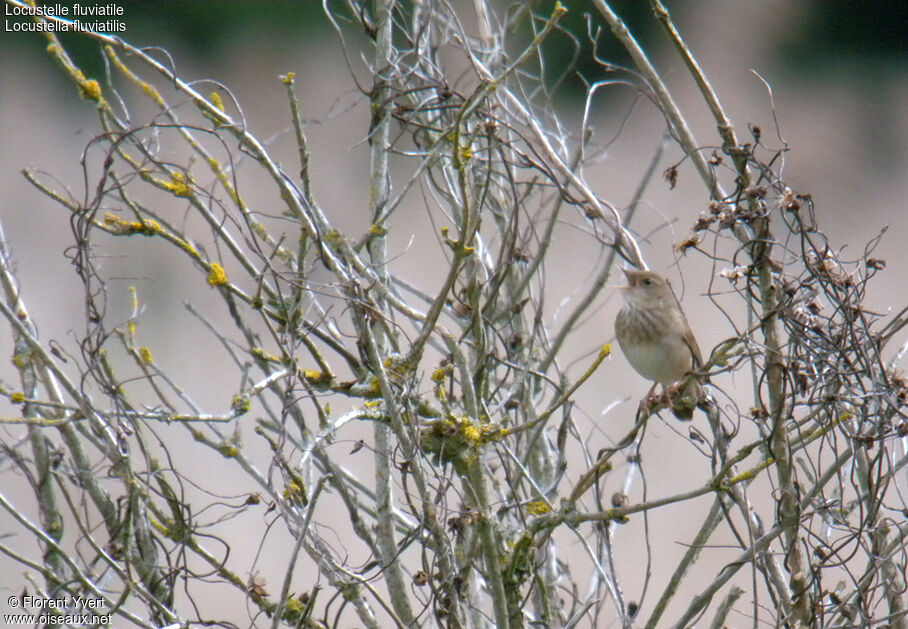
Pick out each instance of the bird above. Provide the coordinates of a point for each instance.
(657, 341)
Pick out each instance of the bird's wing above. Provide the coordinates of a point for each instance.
(691, 343)
(689, 339)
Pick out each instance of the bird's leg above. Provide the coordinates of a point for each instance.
(651, 398)
(671, 391)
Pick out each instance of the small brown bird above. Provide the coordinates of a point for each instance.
(656, 339)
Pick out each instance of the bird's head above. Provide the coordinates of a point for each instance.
(645, 287)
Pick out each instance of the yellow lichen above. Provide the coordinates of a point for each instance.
(145, 354)
(315, 376)
(17, 398)
(479, 434)
(215, 99)
(259, 229)
(333, 237)
(148, 89)
(265, 355)
(287, 79)
(151, 92)
(188, 248)
(538, 507)
(178, 185)
(228, 450)
(217, 276)
(90, 90)
(458, 440)
(470, 432)
(240, 404)
(295, 493)
(116, 225)
(215, 167)
(441, 373)
(293, 608)
(160, 527)
(397, 368)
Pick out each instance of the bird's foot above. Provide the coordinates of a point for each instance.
(653, 402)
(668, 393)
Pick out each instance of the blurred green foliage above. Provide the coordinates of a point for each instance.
(869, 33)
(205, 29)
(828, 32)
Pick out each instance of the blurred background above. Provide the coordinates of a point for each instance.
(838, 71)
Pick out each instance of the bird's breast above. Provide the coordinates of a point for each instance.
(653, 345)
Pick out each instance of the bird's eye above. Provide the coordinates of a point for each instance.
(647, 282)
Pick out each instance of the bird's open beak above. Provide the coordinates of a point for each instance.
(630, 280)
